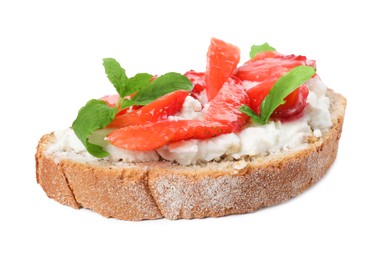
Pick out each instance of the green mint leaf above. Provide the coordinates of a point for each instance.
(161, 86)
(117, 75)
(260, 48)
(126, 103)
(254, 117)
(139, 81)
(135, 84)
(283, 87)
(94, 115)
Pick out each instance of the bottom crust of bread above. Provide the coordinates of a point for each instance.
(162, 189)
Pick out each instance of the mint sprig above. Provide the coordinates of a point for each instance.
(124, 85)
(281, 89)
(96, 114)
(255, 49)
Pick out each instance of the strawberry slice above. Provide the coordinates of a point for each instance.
(294, 105)
(258, 93)
(222, 60)
(222, 117)
(224, 108)
(197, 79)
(157, 110)
(270, 65)
(155, 135)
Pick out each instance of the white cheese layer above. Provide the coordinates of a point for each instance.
(191, 109)
(253, 140)
(190, 151)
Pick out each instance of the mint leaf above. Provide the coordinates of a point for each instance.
(260, 48)
(283, 87)
(135, 84)
(94, 115)
(254, 117)
(117, 75)
(126, 103)
(161, 86)
(139, 81)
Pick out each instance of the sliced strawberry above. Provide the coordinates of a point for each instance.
(294, 105)
(153, 136)
(224, 108)
(157, 110)
(222, 60)
(258, 93)
(197, 79)
(270, 65)
(223, 116)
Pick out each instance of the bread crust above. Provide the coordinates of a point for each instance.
(163, 189)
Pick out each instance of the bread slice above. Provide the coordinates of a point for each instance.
(137, 191)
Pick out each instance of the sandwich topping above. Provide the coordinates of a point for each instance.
(271, 103)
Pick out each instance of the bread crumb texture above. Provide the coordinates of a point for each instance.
(153, 190)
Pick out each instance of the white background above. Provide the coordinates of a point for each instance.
(51, 64)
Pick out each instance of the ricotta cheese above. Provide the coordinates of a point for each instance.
(190, 151)
(68, 146)
(119, 154)
(191, 109)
